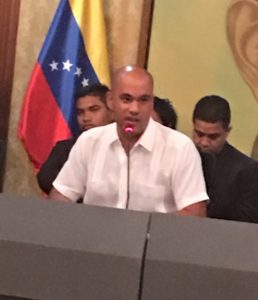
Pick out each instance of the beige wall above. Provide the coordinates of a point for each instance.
(190, 57)
(123, 19)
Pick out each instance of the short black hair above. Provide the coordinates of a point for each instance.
(213, 109)
(96, 89)
(166, 112)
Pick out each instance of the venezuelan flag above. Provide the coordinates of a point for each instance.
(73, 55)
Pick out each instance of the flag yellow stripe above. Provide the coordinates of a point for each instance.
(90, 19)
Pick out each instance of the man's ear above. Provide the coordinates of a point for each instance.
(109, 100)
(229, 130)
(242, 33)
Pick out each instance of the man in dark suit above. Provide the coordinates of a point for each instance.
(92, 111)
(231, 176)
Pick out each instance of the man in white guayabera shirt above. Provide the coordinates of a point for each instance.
(134, 163)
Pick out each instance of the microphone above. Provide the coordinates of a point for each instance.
(128, 129)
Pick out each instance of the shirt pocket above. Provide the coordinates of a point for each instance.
(148, 198)
(101, 194)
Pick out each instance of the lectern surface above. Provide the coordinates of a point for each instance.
(52, 250)
(201, 258)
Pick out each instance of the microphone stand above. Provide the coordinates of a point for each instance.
(128, 130)
(128, 181)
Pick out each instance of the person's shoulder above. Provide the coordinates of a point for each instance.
(67, 142)
(64, 144)
(238, 158)
(173, 137)
(236, 154)
(97, 133)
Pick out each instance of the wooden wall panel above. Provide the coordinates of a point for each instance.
(145, 33)
(9, 15)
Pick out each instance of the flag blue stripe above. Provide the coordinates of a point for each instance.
(64, 42)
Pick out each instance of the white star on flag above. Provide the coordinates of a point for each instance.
(85, 82)
(78, 72)
(67, 65)
(54, 65)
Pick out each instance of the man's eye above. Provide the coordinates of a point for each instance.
(213, 137)
(200, 134)
(94, 108)
(126, 98)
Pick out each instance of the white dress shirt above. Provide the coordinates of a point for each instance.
(165, 172)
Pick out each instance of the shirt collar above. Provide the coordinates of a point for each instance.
(146, 140)
(111, 134)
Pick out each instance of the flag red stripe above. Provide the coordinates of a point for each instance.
(40, 103)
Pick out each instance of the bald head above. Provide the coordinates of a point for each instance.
(133, 71)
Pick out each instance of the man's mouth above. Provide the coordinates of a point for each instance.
(131, 120)
(203, 149)
(88, 126)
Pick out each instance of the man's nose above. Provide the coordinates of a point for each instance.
(134, 107)
(86, 117)
(204, 142)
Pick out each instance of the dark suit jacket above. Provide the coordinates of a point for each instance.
(232, 186)
(54, 164)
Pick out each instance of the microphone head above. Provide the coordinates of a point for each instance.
(128, 128)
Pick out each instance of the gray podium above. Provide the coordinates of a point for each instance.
(59, 251)
(51, 250)
(192, 258)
